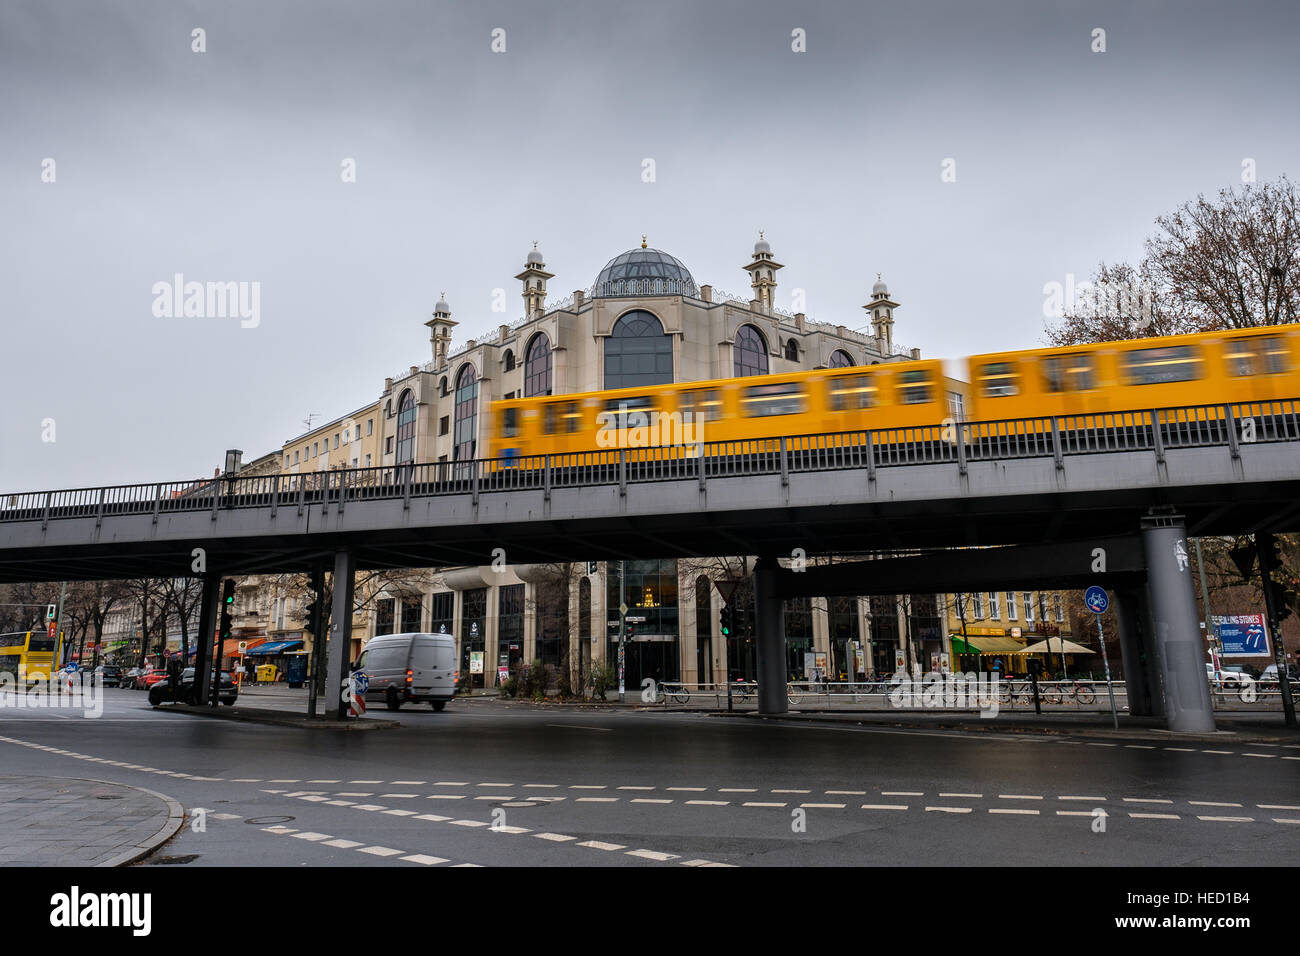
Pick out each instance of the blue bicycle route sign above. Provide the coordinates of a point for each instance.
(1096, 600)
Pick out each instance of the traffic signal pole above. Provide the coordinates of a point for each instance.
(1269, 561)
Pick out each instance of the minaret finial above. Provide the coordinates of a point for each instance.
(760, 233)
(643, 240)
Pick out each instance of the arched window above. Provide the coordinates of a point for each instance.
(637, 352)
(466, 413)
(840, 359)
(442, 387)
(406, 415)
(750, 352)
(509, 361)
(792, 351)
(537, 366)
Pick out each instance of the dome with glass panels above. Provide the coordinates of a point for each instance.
(643, 271)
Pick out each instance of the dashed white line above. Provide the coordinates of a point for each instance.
(1082, 798)
(422, 858)
(597, 800)
(1211, 803)
(1274, 806)
(708, 803)
(1013, 810)
(468, 823)
(341, 844)
(1018, 796)
(884, 806)
(554, 837)
(381, 851)
(948, 809)
(309, 835)
(973, 796)
(757, 803)
(597, 845)
(649, 800)
(653, 855)
(1155, 816)
(1228, 819)
(902, 793)
(1145, 800)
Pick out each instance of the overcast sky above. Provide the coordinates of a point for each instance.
(226, 166)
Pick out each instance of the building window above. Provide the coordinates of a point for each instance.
(367, 461)
(840, 359)
(510, 623)
(637, 352)
(1029, 606)
(473, 625)
(388, 445)
(509, 361)
(442, 386)
(336, 441)
(406, 416)
(792, 351)
(1011, 605)
(370, 426)
(295, 457)
(1058, 608)
(384, 616)
(444, 424)
(411, 611)
(466, 413)
(537, 366)
(995, 611)
(286, 461)
(979, 606)
(442, 605)
(750, 352)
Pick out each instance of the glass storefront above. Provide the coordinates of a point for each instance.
(510, 625)
(798, 636)
(473, 626)
(843, 628)
(649, 589)
(884, 632)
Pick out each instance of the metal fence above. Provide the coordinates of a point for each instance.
(952, 443)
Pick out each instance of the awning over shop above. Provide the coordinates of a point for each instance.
(275, 647)
(230, 647)
(1054, 645)
(986, 644)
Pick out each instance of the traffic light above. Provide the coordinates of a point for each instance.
(1280, 588)
(311, 613)
(227, 608)
(728, 620)
(591, 567)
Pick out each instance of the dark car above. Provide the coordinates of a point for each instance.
(110, 674)
(161, 692)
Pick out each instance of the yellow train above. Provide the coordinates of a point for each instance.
(1249, 365)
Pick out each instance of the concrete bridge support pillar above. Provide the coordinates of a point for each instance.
(1138, 656)
(1174, 626)
(769, 622)
(208, 611)
(340, 638)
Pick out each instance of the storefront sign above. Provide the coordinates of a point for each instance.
(476, 662)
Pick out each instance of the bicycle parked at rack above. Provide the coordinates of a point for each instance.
(677, 693)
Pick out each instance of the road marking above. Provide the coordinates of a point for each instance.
(1291, 758)
(1285, 820)
(687, 789)
(340, 803)
(496, 784)
(1081, 798)
(1139, 747)
(973, 796)
(354, 793)
(315, 799)
(756, 803)
(1074, 813)
(324, 781)
(400, 813)
(542, 786)
(495, 796)
(597, 800)
(432, 816)
(648, 800)
(884, 806)
(792, 791)
(635, 788)
(341, 844)
(587, 786)
(597, 845)
(1216, 752)
(426, 860)
(502, 828)
(279, 830)
(224, 816)
(1229, 819)
(402, 796)
(1182, 750)
(308, 835)
(297, 781)
(468, 823)
(381, 851)
(554, 837)
(1155, 816)
(369, 806)
(902, 793)
(350, 781)
(1013, 810)
(1272, 806)
(1211, 803)
(737, 790)
(445, 796)
(948, 809)
(822, 806)
(708, 803)
(1145, 800)
(396, 783)
(1096, 744)
(603, 730)
(846, 793)
(1259, 755)
(653, 855)
(1018, 796)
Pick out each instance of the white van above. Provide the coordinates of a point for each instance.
(410, 667)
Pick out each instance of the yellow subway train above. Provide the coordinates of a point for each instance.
(917, 398)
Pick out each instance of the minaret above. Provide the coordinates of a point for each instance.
(762, 274)
(881, 309)
(440, 327)
(534, 279)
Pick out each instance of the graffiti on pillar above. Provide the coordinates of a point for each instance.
(1180, 554)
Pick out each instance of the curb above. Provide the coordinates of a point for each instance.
(273, 719)
(175, 818)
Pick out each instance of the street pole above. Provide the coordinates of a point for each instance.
(58, 628)
(1264, 545)
(622, 631)
(1105, 659)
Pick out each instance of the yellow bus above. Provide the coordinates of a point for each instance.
(28, 655)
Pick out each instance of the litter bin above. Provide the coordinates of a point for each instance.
(296, 669)
(266, 673)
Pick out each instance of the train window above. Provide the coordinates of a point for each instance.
(1257, 355)
(510, 423)
(852, 391)
(704, 402)
(631, 412)
(1067, 373)
(914, 387)
(1169, 363)
(550, 417)
(572, 417)
(784, 398)
(999, 379)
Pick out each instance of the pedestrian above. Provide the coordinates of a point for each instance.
(252, 672)
(174, 669)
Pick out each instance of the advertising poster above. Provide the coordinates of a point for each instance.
(1242, 635)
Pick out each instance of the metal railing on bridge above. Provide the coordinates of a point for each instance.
(952, 443)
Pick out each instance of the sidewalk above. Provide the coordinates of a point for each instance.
(70, 821)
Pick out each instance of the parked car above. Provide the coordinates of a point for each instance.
(110, 674)
(1227, 675)
(151, 676)
(130, 677)
(410, 667)
(161, 691)
(1270, 673)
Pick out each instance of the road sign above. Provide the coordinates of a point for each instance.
(1096, 600)
(53, 629)
(243, 646)
(622, 609)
